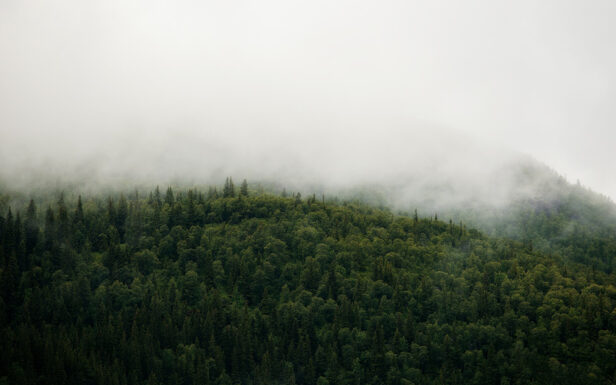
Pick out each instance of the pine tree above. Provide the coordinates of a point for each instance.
(244, 188)
(31, 228)
(229, 189)
(19, 244)
(191, 213)
(78, 215)
(169, 199)
(157, 200)
(121, 216)
(8, 235)
(50, 229)
(79, 229)
(63, 222)
(111, 212)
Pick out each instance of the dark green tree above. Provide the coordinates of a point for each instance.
(31, 228)
(169, 197)
(244, 188)
(229, 188)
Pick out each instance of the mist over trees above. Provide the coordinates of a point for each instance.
(197, 287)
(409, 219)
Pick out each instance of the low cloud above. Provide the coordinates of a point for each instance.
(438, 99)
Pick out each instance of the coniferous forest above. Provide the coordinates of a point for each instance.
(235, 286)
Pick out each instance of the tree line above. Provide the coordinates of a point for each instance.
(238, 287)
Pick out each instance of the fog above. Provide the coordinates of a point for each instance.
(332, 95)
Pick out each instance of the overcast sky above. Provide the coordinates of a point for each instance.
(127, 83)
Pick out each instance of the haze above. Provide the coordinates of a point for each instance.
(322, 92)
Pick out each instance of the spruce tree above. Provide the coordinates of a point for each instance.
(79, 229)
(50, 229)
(31, 228)
(169, 199)
(19, 245)
(63, 222)
(111, 212)
(191, 213)
(229, 189)
(244, 188)
(121, 217)
(157, 200)
(78, 215)
(8, 235)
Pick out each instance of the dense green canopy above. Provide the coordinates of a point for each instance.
(193, 288)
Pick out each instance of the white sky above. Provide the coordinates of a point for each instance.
(115, 82)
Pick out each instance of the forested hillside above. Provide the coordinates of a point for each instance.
(529, 202)
(559, 218)
(193, 287)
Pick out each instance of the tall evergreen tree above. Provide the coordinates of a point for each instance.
(121, 217)
(19, 244)
(229, 189)
(79, 229)
(63, 221)
(244, 188)
(157, 200)
(31, 228)
(8, 236)
(169, 198)
(111, 212)
(78, 215)
(50, 229)
(191, 211)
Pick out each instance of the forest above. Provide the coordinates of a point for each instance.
(238, 286)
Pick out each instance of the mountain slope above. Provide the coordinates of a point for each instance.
(522, 200)
(558, 218)
(194, 288)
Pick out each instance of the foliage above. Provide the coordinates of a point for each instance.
(193, 288)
